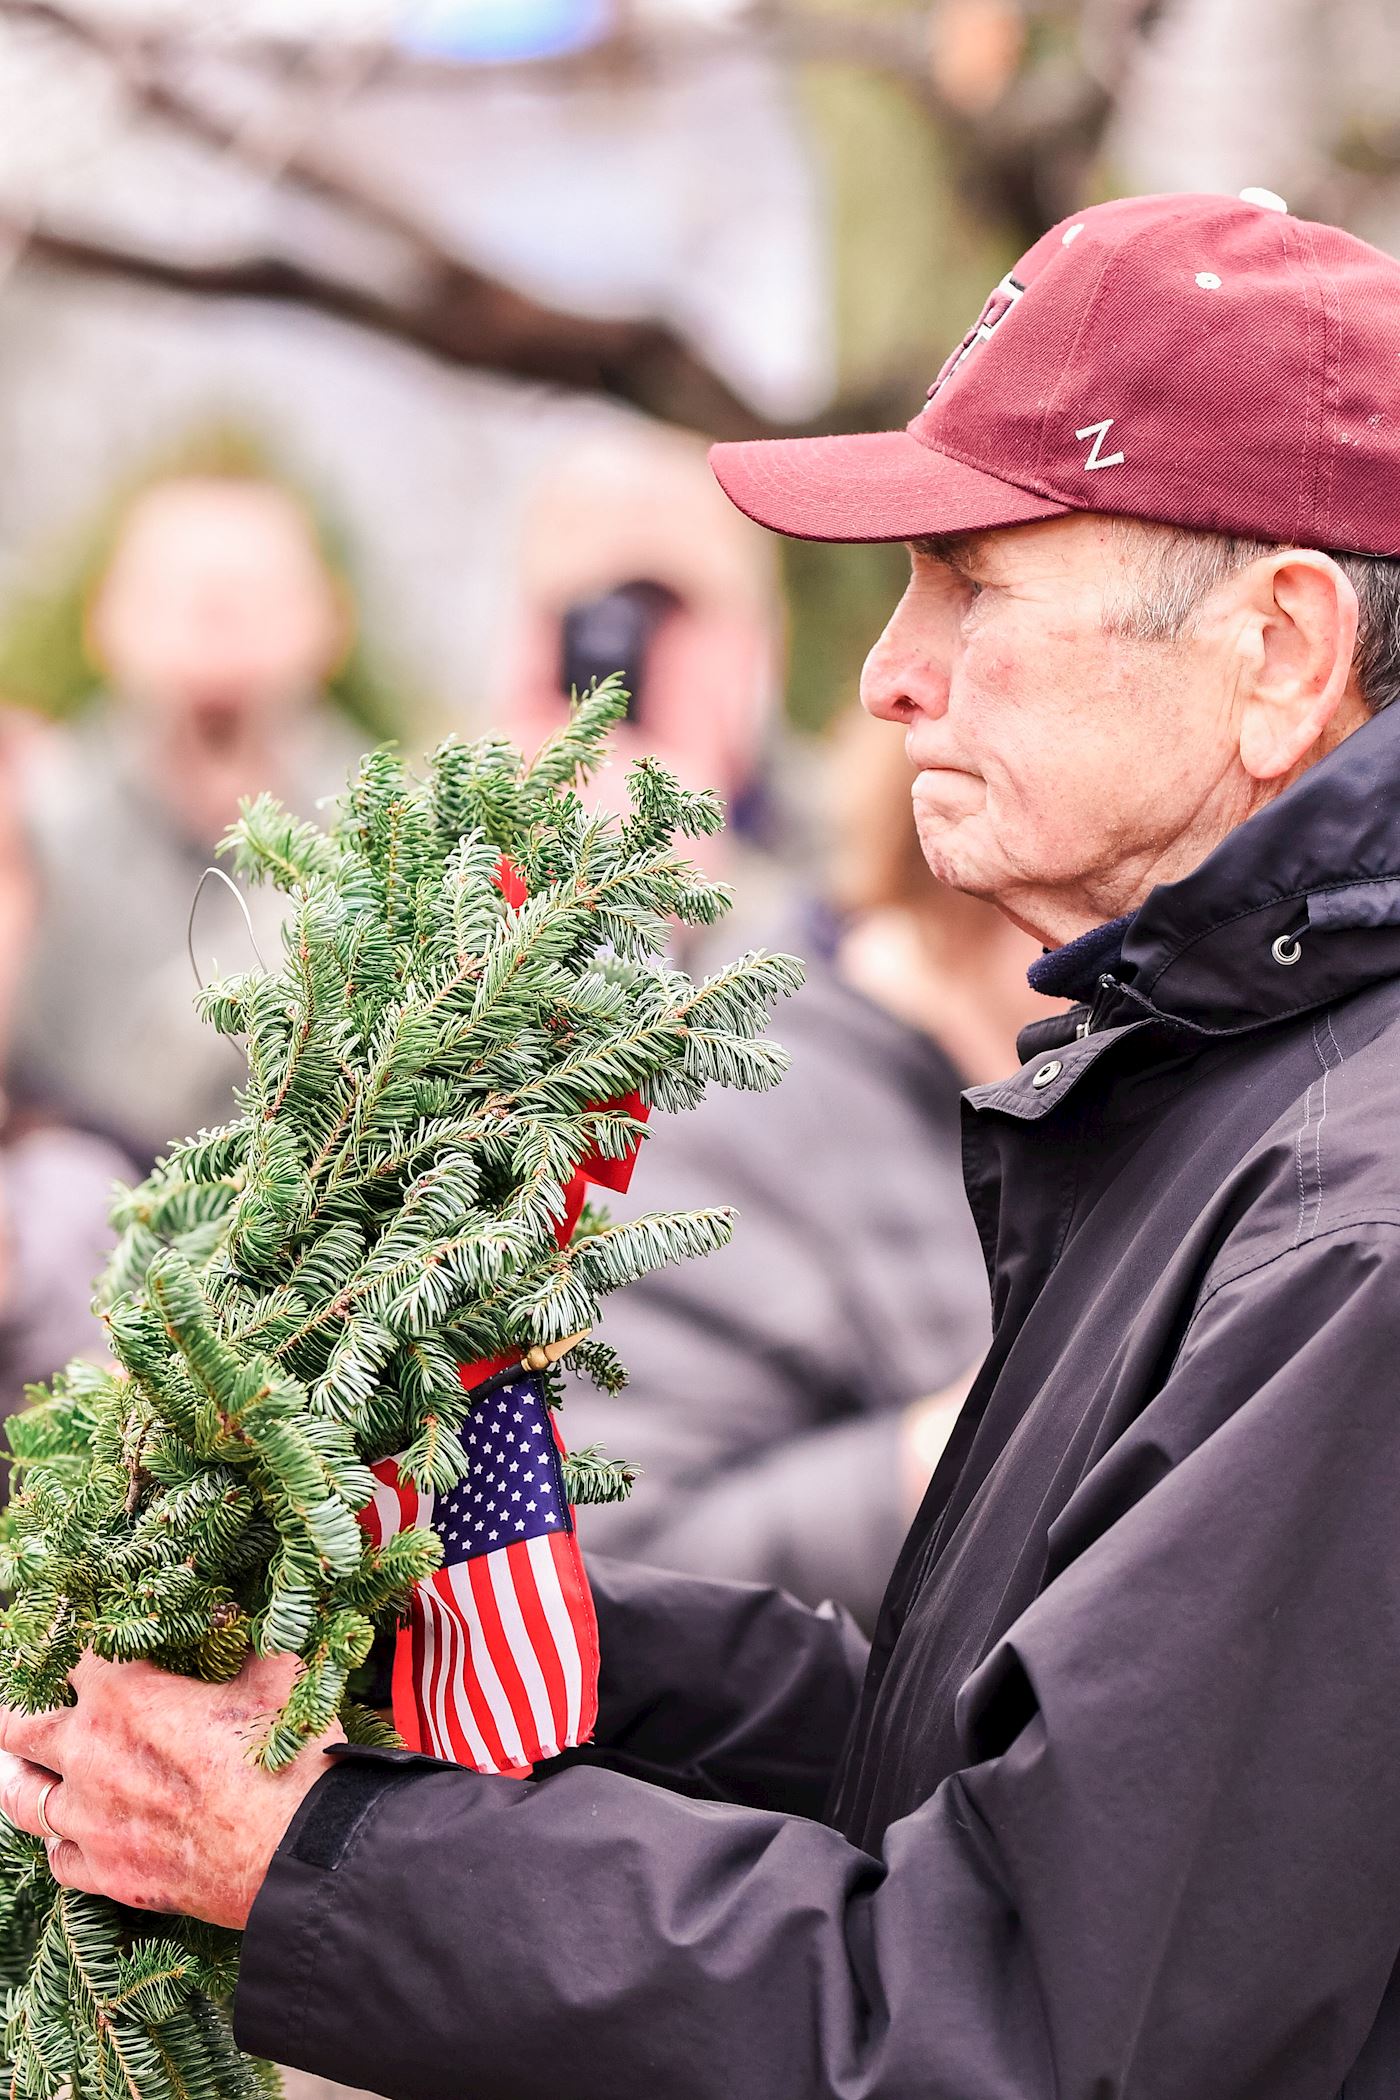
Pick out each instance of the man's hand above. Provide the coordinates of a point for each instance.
(158, 1803)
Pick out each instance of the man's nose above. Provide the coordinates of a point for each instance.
(899, 680)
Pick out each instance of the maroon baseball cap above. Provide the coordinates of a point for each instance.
(1204, 361)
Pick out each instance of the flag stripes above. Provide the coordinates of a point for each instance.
(499, 1665)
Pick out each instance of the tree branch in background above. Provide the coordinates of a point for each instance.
(453, 310)
(467, 318)
(1022, 157)
(1023, 152)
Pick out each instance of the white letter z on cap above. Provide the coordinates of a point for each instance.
(1098, 457)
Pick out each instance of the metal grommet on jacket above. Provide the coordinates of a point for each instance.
(1287, 949)
(1047, 1073)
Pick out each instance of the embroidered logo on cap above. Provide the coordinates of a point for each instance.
(1097, 456)
(995, 311)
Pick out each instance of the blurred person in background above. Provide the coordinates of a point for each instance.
(55, 1182)
(215, 624)
(629, 563)
(790, 1395)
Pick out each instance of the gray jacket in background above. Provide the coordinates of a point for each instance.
(107, 1033)
(767, 1380)
(56, 1189)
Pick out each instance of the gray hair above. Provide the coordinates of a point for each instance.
(1175, 570)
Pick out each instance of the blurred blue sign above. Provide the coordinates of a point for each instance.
(503, 29)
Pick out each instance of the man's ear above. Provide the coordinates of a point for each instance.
(1296, 684)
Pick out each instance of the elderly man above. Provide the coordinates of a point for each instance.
(1118, 1809)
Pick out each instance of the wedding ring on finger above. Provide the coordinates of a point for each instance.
(51, 1836)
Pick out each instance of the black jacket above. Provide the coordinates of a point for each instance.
(1119, 1813)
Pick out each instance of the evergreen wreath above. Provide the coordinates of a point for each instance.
(292, 1295)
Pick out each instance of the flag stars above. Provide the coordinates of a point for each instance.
(488, 1508)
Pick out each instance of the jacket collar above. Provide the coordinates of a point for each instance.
(1073, 971)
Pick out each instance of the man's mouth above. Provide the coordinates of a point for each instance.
(935, 764)
(946, 790)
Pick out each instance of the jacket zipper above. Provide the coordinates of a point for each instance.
(1103, 992)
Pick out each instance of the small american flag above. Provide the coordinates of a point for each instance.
(499, 1664)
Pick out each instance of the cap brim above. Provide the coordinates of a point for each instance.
(878, 485)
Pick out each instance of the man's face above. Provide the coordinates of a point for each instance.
(1062, 769)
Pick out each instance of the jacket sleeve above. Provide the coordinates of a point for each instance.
(726, 1690)
(1170, 1866)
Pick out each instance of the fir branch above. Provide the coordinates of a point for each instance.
(592, 1478)
(577, 749)
(292, 1294)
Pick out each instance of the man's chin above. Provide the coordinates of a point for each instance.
(949, 842)
(956, 871)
